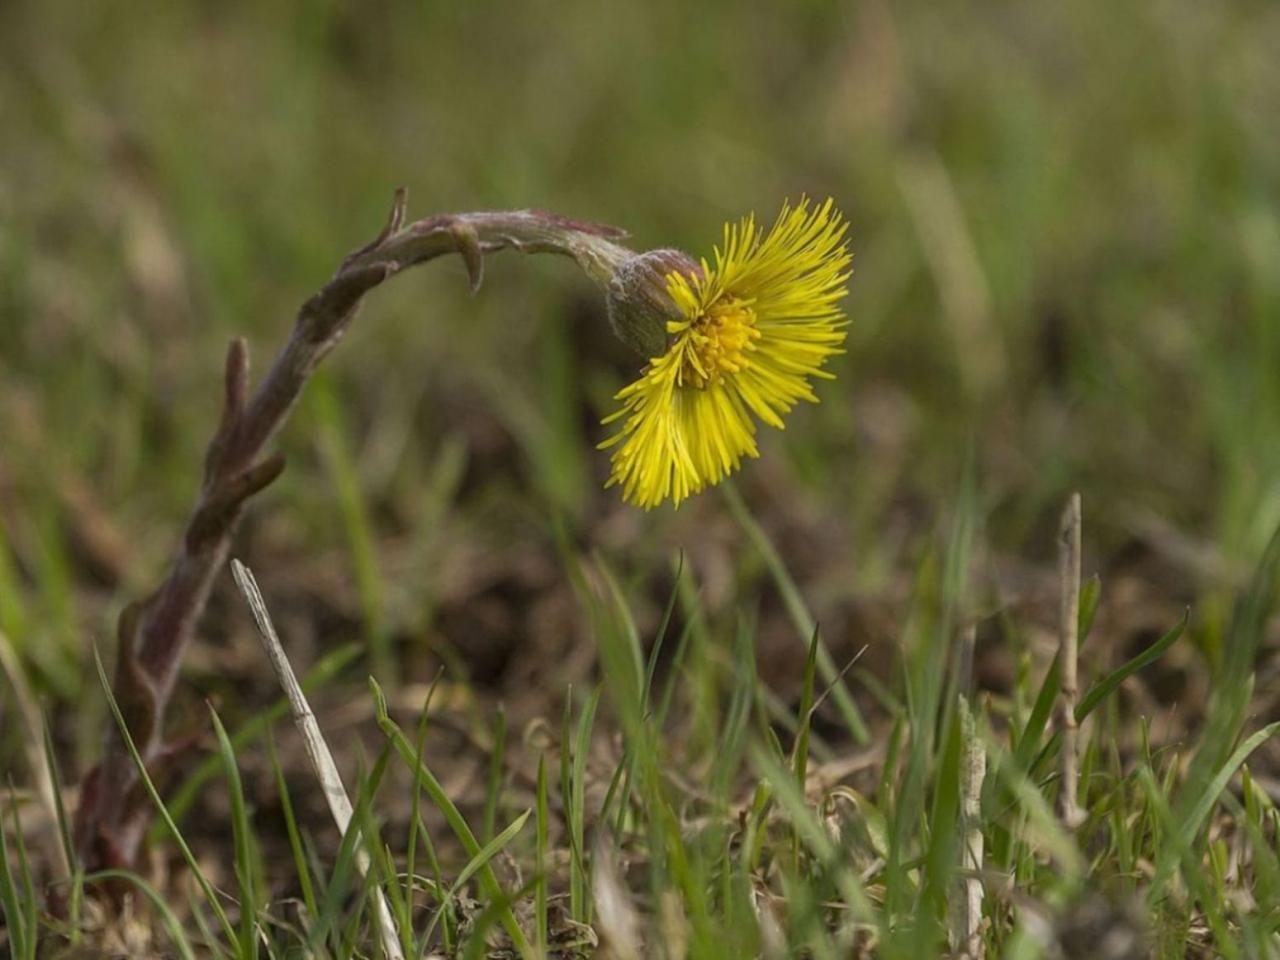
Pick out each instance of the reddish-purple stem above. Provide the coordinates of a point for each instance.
(154, 633)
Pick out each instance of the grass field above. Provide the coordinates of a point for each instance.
(815, 711)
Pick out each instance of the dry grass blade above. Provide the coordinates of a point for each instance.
(317, 750)
(973, 772)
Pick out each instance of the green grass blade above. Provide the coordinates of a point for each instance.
(659, 640)
(800, 749)
(206, 887)
(242, 840)
(382, 875)
(477, 947)
(1233, 686)
(1028, 746)
(1190, 826)
(800, 752)
(457, 823)
(256, 727)
(336, 891)
(177, 936)
(59, 807)
(22, 935)
(1029, 741)
(344, 473)
(540, 858)
(300, 865)
(941, 855)
(575, 811)
(416, 827)
(663, 709)
(1042, 826)
(1177, 846)
(361, 834)
(623, 779)
(208, 938)
(798, 610)
(806, 823)
(1104, 687)
(625, 627)
(480, 861)
(76, 895)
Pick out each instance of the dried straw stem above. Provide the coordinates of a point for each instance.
(967, 898)
(317, 750)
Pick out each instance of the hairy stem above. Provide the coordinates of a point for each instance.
(155, 632)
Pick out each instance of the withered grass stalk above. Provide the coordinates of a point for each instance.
(318, 752)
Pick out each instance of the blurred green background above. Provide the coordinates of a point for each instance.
(1067, 274)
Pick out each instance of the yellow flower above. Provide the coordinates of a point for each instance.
(751, 331)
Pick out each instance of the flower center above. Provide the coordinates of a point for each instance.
(719, 342)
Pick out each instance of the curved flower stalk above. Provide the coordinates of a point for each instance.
(153, 633)
(728, 344)
(749, 333)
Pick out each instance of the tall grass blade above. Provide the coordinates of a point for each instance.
(18, 902)
(206, 888)
(356, 523)
(479, 862)
(1104, 687)
(802, 619)
(540, 858)
(177, 936)
(242, 839)
(300, 866)
(76, 895)
(575, 800)
(488, 881)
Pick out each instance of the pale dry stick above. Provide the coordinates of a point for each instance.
(973, 771)
(153, 634)
(1068, 656)
(317, 750)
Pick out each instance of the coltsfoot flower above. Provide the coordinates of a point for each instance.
(747, 335)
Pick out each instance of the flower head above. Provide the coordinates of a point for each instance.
(749, 333)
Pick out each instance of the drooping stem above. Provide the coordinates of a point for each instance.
(154, 633)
